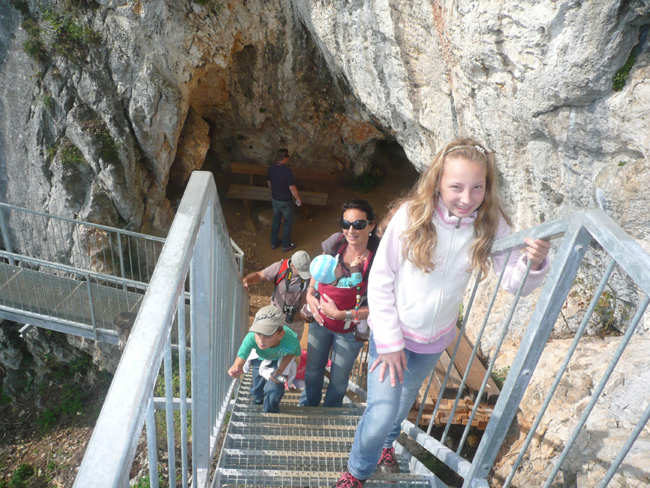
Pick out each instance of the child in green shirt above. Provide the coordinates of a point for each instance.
(271, 340)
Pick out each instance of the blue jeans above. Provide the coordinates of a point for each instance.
(387, 407)
(345, 350)
(266, 392)
(282, 209)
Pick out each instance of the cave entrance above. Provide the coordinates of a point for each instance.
(388, 176)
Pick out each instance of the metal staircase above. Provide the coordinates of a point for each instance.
(195, 287)
(300, 446)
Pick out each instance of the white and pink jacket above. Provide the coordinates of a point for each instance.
(416, 310)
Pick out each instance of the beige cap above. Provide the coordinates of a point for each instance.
(267, 320)
(301, 260)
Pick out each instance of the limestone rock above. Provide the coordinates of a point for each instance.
(193, 145)
(624, 399)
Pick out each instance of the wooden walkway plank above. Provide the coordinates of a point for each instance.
(477, 371)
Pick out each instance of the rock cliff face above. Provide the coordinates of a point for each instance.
(533, 80)
(106, 106)
(102, 102)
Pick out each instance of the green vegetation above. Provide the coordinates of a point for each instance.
(51, 152)
(4, 398)
(622, 163)
(70, 39)
(70, 154)
(499, 376)
(102, 139)
(33, 46)
(107, 147)
(48, 101)
(159, 389)
(620, 78)
(69, 403)
(145, 483)
(57, 33)
(605, 313)
(21, 475)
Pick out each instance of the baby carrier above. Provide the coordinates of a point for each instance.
(346, 298)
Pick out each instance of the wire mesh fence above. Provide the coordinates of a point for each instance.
(84, 245)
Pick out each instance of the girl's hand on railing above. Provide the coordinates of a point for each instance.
(396, 364)
(536, 251)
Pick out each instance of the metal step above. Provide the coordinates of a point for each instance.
(231, 478)
(298, 447)
(289, 442)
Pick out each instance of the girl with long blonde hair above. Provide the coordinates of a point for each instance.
(433, 239)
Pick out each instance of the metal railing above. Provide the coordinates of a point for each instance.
(73, 276)
(63, 298)
(585, 231)
(197, 251)
(84, 245)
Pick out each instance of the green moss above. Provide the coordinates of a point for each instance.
(102, 139)
(71, 39)
(51, 152)
(107, 147)
(35, 50)
(620, 78)
(70, 154)
(21, 475)
(48, 101)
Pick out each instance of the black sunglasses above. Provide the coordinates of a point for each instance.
(357, 224)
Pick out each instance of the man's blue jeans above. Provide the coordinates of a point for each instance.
(266, 392)
(282, 209)
(387, 407)
(345, 350)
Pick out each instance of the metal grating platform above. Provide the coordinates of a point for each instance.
(298, 447)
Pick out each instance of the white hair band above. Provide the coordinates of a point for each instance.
(480, 149)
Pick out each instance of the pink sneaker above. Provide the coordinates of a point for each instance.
(348, 481)
(387, 462)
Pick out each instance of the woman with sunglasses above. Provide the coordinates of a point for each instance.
(336, 310)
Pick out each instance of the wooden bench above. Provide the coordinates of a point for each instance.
(300, 174)
(263, 193)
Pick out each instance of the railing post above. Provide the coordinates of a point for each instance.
(152, 443)
(5, 234)
(556, 287)
(91, 305)
(119, 248)
(202, 320)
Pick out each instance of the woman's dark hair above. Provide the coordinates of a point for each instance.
(365, 207)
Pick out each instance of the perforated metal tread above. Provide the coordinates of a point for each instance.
(250, 478)
(297, 447)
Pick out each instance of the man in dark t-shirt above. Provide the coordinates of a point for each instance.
(283, 187)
